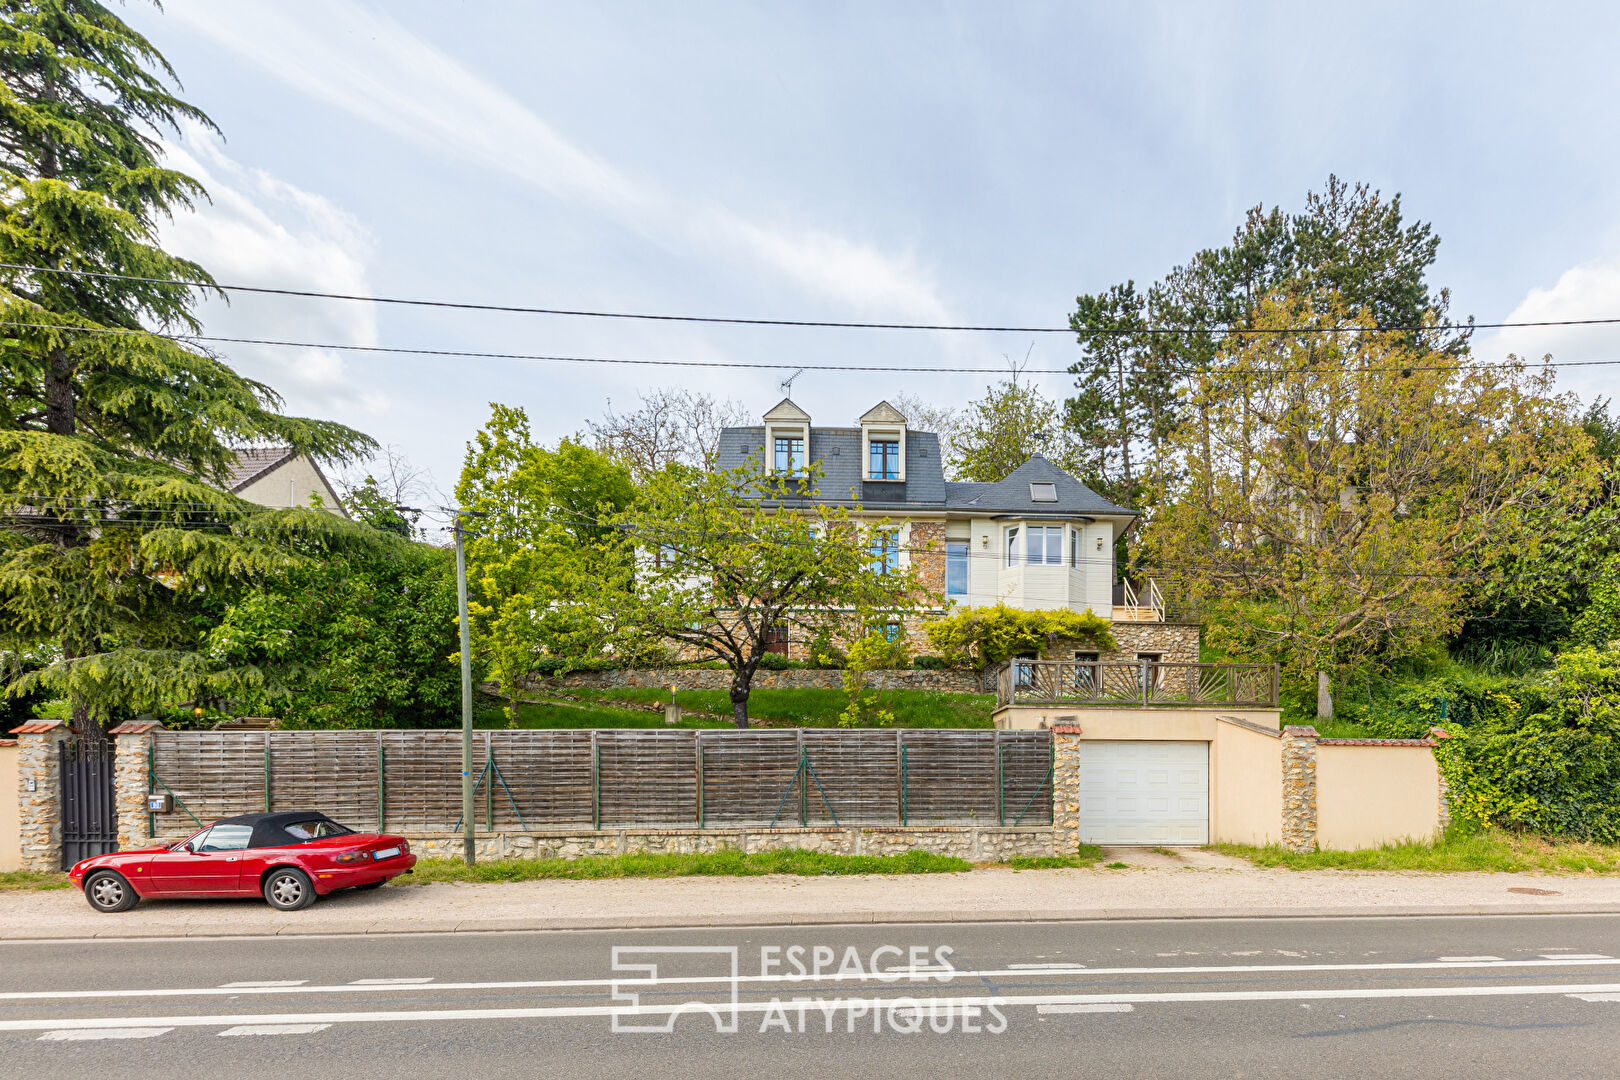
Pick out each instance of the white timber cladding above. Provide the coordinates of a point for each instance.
(1144, 792)
(1084, 578)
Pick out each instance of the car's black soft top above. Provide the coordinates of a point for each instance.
(270, 830)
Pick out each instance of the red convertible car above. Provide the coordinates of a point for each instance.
(288, 858)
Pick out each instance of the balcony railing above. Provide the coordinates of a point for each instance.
(1139, 684)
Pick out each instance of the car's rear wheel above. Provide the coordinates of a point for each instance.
(108, 890)
(288, 888)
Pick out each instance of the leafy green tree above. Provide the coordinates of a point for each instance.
(115, 539)
(1339, 488)
(723, 559)
(355, 641)
(1002, 430)
(537, 531)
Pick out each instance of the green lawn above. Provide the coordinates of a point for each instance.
(32, 879)
(805, 708)
(1491, 850)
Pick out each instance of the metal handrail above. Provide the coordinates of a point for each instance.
(1136, 684)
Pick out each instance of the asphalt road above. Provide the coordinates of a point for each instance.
(1531, 996)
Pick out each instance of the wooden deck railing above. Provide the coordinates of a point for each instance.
(1136, 684)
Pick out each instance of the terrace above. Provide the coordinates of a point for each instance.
(1136, 684)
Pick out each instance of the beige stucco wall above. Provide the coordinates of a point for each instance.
(1372, 795)
(1155, 724)
(1245, 784)
(10, 816)
(291, 484)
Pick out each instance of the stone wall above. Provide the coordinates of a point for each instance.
(1065, 789)
(974, 843)
(40, 809)
(1177, 641)
(130, 781)
(1299, 788)
(955, 682)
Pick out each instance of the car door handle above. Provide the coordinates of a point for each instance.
(230, 858)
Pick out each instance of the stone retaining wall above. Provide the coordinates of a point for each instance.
(952, 682)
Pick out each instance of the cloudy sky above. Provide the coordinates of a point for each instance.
(958, 162)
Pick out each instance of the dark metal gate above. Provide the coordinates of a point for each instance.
(89, 808)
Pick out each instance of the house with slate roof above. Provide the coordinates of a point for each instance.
(1037, 539)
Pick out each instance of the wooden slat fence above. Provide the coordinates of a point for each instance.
(607, 778)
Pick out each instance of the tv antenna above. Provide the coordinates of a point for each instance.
(787, 383)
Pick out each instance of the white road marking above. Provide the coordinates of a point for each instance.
(1595, 997)
(1469, 959)
(1046, 967)
(372, 985)
(1576, 956)
(389, 982)
(275, 1029)
(1101, 1007)
(262, 984)
(83, 1034)
(869, 1004)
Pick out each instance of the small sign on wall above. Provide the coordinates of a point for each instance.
(160, 803)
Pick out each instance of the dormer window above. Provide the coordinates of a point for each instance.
(788, 454)
(883, 453)
(1042, 492)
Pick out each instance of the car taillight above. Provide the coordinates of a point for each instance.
(352, 857)
(405, 846)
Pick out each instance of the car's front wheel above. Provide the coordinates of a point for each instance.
(288, 889)
(108, 890)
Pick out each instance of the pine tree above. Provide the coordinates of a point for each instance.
(114, 538)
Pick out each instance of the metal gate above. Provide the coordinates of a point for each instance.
(89, 808)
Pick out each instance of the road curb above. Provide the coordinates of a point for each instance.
(306, 928)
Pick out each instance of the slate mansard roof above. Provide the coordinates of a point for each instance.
(843, 478)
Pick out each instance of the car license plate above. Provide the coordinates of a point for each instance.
(385, 853)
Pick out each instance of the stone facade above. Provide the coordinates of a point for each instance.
(40, 809)
(955, 682)
(1177, 643)
(134, 742)
(1065, 789)
(1299, 788)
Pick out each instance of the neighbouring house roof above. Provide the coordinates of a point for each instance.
(254, 462)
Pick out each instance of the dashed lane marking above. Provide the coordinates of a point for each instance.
(262, 984)
(1099, 1007)
(1595, 997)
(1604, 992)
(1576, 956)
(389, 982)
(86, 1034)
(275, 1029)
(1046, 967)
(1469, 959)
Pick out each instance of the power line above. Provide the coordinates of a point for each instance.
(752, 364)
(747, 321)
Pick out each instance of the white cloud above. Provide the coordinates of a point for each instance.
(1591, 291)
(259, 230)
(405, 85)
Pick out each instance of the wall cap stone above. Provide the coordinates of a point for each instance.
(1438, 733)
(8, 742)
(1375, 742)
(1238, 721)
(1301, 731)
(136, 727)
(38, 727)
(1067, 729)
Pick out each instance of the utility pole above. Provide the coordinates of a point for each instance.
(469, 844)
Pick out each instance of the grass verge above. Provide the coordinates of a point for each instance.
(1491, 850)
(32, 879)
(1085, 857)
(715, 864)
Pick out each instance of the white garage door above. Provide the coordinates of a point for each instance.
(1144, 792)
